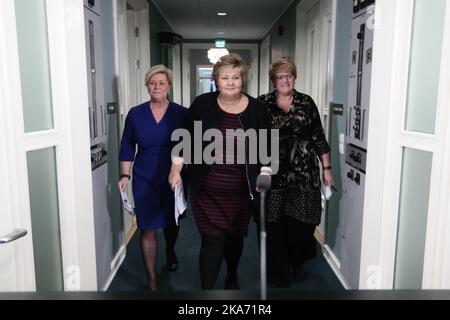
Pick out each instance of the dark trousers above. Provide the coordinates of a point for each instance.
(290, 243)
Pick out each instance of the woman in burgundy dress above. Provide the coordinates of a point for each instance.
(222, 193)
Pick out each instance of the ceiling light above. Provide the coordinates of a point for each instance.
(214, 54)
(220, 33)
(221, 13)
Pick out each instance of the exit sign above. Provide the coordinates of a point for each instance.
(220, 43)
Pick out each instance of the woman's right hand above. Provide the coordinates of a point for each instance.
(123, 183)
(174, 179)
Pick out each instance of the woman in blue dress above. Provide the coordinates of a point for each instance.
(149, 127)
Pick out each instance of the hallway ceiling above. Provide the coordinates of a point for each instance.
(245, 19)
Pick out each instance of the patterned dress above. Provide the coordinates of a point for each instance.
(296, 187)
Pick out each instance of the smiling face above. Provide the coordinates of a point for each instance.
(284, 81)
(158, 87)
(230, 81)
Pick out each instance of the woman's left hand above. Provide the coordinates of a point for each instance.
(328, 178)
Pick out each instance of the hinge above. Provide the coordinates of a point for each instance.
(138, 64)
(136, 32)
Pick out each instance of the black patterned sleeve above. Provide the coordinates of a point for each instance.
(318, 134)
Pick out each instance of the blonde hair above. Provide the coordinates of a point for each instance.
(282, 64)
(159, 68)
(234, 60)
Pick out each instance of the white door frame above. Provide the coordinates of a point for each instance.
(177, 80)
(252, 76)
(70, 137)
(387, 138)
(264, 80)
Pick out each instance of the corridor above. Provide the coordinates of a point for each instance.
(131, 275)
(71, 71)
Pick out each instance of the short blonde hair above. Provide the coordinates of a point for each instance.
(282, 64)
(159, 68)
(234, 60)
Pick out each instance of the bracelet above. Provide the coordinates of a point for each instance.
(125, 176)
(326, 168)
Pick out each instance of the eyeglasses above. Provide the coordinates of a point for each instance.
(287, 77)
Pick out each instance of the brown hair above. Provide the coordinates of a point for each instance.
(234, 60)
(282, 64)
(159, 68)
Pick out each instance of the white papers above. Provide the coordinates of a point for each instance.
(126, 203)
(326, 190)
(180, 202)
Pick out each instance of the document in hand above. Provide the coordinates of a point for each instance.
(126, 203)
(326, 190)
(180, 202)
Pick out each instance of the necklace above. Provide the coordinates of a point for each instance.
(231, 103)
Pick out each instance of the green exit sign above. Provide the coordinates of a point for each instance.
(220, 43)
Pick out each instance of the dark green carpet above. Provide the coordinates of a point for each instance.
(131, 275)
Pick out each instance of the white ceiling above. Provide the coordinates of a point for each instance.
(198, 19)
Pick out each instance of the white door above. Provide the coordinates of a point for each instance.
(406, 230)
(44, 137)
(138, 53)
(134, 57)
(315, 61)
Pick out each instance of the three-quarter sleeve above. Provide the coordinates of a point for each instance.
(128, 143)
(317, 132)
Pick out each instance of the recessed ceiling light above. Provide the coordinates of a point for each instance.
(221, 13)
(220, 33)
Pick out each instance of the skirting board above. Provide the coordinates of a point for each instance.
(115, 265)
(334, 264)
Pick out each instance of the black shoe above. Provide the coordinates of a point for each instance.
(279, 284)
(299, 274)
(172, 261)
(232, 285)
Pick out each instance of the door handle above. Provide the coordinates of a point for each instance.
(16, 234)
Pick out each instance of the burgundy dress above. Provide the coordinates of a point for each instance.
(223, 202)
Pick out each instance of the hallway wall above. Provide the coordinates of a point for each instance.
(282, 34)
(157, 24)
(110, 94)
(340, 92)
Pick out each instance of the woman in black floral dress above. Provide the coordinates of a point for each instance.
(294, 203)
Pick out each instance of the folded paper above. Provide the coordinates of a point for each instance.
(180, 202)
(126, 203)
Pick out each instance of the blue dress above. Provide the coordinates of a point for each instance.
(153, 197)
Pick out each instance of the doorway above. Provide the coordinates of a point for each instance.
(133, 52)
(205, 82)
(194, 54)
(44, 136)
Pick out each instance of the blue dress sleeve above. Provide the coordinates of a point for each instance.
(128, 143)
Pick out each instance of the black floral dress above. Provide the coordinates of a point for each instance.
(296, 187)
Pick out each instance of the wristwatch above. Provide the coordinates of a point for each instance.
(125, 176)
